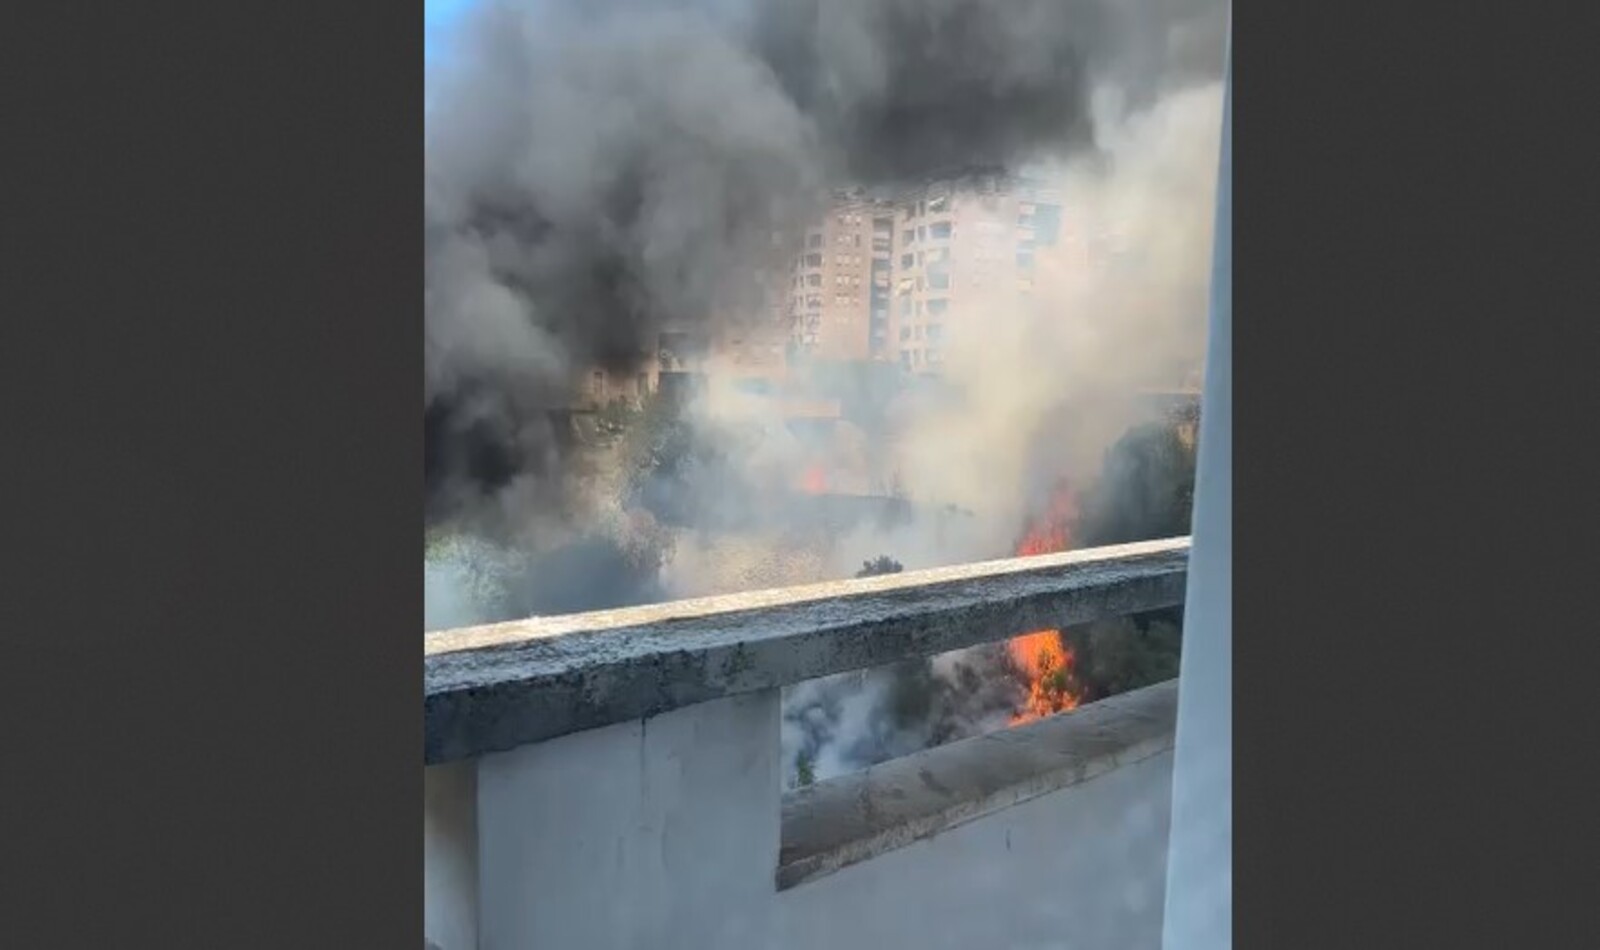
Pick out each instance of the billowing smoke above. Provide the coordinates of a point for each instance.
(1048, 381)
(601, 172)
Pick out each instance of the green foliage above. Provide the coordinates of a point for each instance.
(1123, 653)
(657, 442)
(1145, 491)
(882, 564)
(617, 417)
(805, 769)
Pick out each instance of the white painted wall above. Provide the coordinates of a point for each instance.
(450, 856)
(1079, 869)
(658, 834)
(664, 834)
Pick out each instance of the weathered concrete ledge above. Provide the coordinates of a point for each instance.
(845, 820)
(495, 687)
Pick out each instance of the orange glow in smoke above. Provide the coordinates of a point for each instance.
(1042, 655)
(814, 481)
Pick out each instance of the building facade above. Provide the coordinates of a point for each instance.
(840, 283)
(960, 250)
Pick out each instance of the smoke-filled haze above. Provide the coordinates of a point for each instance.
(601, 170)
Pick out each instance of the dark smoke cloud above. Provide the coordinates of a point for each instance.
(599, 170)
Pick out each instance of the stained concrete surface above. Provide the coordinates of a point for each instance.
(495, 688)
(855, 817)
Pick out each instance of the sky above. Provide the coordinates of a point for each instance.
(437, 15)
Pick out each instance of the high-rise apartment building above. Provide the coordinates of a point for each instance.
(840, 284)
(959, 251)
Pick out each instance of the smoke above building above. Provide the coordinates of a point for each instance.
(600, 173)
(601, 170)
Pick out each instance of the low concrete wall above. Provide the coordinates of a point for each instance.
(658, 833)
(845, 820)
(1080, 868)
(494, 688)
(673, 832)
(612, 780)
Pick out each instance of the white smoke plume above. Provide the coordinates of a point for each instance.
(601, 171)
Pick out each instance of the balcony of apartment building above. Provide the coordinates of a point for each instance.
(612, 779)
(605, 780)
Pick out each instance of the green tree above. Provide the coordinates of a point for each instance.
(1145, 492)
(882, 564)
(805, 769)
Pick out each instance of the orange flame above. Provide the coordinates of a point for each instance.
(1048, 662)
(1042, 656)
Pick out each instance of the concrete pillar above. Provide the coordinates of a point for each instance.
(654, 833)
(1199, 902)
(450, 856)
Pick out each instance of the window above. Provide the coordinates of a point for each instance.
(813, 260)
(905, 334)
(908, 260)
(917, 332)
(905, 306)
(905, 358)
(940, 231)
(938, 307)
(813, 280)
(938, 280)
(922, 233)
(935, 332)
(814, 240)
(908, 236)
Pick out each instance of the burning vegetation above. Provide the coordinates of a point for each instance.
(710, 135)
(1047, 664)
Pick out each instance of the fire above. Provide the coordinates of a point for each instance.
(1042, 655)
(814, 481)
(1052, 532)
(1048, 663)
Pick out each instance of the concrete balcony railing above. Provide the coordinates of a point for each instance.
(613, 779)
